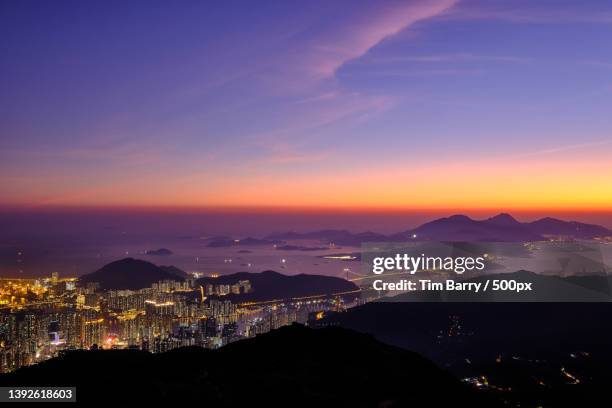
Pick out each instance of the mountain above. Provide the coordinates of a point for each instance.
(270, 285)
(488, 328)
(500, 228)
(503, 219)
(291, 366)
(130, 273)
(524, 346)
(553, 226)
(175, 271)
(504, 227)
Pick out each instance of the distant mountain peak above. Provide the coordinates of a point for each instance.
(501, 228)
(550, 219)
(459, 217)
(503, 219)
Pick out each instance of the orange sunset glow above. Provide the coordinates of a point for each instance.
(568, 182)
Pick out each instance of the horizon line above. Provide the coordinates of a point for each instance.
(299, 209)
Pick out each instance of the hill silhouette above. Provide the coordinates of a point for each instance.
(503, 219)
(513, 344)
(291, 366)
(554, 226)
(462, 228)
(130, 273)
(500, 228)
(271, 285)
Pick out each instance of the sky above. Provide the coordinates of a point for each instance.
(346, 104)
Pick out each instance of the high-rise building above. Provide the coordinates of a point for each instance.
(93, 332)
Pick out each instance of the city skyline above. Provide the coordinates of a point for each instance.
(433, 105)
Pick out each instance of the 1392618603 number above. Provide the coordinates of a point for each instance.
(33, 394)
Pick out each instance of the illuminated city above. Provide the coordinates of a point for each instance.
(41, 318)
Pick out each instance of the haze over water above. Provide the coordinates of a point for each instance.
(36, 243)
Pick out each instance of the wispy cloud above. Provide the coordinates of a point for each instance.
(307, 69)
(321, 57)
(329, 110)
(445, 58)
(320, 97)
(425, 72)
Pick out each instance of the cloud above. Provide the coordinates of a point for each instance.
(425, 72)
(443, 58)
(306, 119)
(322, 56)
(306, 69)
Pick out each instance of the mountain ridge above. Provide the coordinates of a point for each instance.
(290, 366)
(502, 227)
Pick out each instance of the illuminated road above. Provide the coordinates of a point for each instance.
(297, 299)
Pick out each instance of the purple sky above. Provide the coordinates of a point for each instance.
(307, 103)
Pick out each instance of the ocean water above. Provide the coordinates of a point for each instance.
(73, 243)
